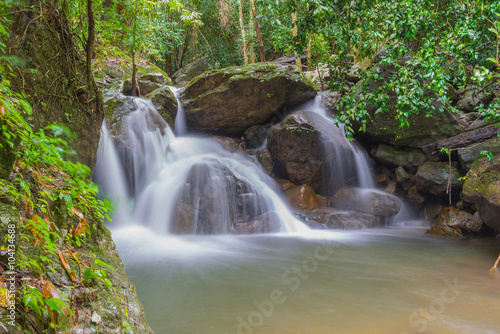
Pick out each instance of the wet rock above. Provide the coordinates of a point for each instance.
(265, 223)
(166, 104)
(265, 159)
(415, 196)
(351, 220)
(390, 188)
(432, 177)
(482, 187)
(459, 219)
(382, 179)
(473, 97)
(469, 154)
(322, 201)
(373, 202)
(285, 184)
(432, 209)
(404, 179)
(344, 220)
(307, 151)
(255, 136)
(145, 87)
(230, 144)
(213, 101)
(332, 100)
(392, 156)
(302, 198)
(213, 199)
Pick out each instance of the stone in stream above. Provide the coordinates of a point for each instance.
(213, 200)
(341, 219)
(232, 99)
(454, 222)
(482, 187)
(373, 202)
(432, 177)
(265, 159)
(308, 151)
(302, 198)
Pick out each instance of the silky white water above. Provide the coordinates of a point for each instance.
(391, 280)
(157, 177)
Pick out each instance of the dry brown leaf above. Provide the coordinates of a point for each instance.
(66, 266)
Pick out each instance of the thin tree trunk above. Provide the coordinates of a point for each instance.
(257, 31)
(242, 27)
(134, 66)
(309, 55)
(90, 43)
(298, 62)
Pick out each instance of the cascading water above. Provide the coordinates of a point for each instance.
(348, 157)
(180, 119)
(185, 184)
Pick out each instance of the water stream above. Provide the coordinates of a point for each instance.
(379, 281)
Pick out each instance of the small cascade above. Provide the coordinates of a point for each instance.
(180, 119)
(185, 185)
(349, 158)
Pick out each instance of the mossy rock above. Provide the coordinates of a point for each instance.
(482, 187)
(231, 100)
(432, 177)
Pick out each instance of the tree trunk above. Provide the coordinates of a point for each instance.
(242, 27)
(309, 55)
(134, 66)
(298, 62)
(90, 44)
(257, 31)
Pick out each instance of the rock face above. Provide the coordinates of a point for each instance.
(473, 97)
(482, 187)
(454, 222)
(303, 153)
(432, 177)
(392, 156)
(469, 154)
(384, 127)
(233, 99)
(373, 202)
(214, 201)
(165, 102)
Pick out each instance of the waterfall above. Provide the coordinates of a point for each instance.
(349, 158)
(186, 184)
(180, 119)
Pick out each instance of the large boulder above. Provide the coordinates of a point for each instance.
(214, 200)
(306, 150)
(233, 99)
(373, 202)
(475, 96)
(422, 130)
(183, 76)
(469, 154)
(343, 220)
(482, 187)
(165, 102)
(392, 156)
(432, 177)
